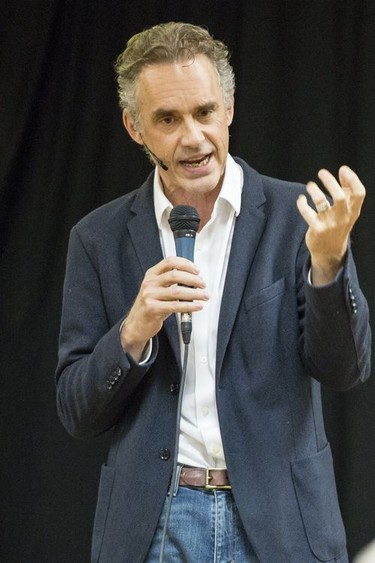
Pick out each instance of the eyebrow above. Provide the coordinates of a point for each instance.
(160, 113)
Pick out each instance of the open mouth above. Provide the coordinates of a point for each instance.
(196, 163)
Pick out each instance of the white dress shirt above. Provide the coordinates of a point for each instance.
(200, 443)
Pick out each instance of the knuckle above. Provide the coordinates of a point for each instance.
(178, 291)
(173, 276)
(340, 197)
(320, 229)
(149, 276)
(169, 262)
(146, 285)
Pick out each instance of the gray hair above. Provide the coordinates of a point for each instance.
(169, 43)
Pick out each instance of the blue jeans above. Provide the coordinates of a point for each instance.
(204, 527)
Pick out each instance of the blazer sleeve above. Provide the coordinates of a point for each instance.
(95, 378)
(336, 335)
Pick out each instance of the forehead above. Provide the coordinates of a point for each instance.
(179, 85)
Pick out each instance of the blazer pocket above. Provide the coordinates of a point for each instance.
(104, 496)
(315, 488)
(266, 294)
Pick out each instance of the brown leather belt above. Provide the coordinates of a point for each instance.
(204, 478)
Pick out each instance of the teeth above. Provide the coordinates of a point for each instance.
(202, 162)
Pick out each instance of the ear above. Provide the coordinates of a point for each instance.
(130, 127)
(230, 111)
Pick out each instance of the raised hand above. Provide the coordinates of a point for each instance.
(330, 223)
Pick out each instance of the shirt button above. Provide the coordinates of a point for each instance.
(216, 450)
(205, 411)
(204, 359)
(164, 454)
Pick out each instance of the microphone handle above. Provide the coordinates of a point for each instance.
(185, 241)
(185, 244)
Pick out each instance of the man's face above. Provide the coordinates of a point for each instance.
(185, 123)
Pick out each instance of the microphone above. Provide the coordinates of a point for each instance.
(158, 160)
(184, 222)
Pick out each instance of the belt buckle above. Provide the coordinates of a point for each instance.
(211, 487)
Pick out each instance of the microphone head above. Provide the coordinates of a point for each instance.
(184, 218)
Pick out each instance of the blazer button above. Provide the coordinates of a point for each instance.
(164, 454)
(174, 388)
(114, 377)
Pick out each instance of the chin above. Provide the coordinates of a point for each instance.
(203, 184)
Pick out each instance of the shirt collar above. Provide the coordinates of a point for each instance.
(230, 191)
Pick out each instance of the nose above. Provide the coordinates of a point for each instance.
(192, 134)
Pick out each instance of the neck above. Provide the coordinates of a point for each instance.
(203, 202)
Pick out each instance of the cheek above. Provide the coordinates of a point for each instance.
(220, 131)
(223, 136)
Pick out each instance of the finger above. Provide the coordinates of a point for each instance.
(305, 210)
(158, 274)
(166, 302)
(353, 187)
(181, 277)
(160, 302)
(323, 206)
(172, 263)
(183, 293)
(333, 187)
(350, 194)
(349, 179)
(317, 195)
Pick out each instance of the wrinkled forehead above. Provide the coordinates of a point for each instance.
(167, 81)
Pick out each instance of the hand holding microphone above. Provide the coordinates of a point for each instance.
(171, 286)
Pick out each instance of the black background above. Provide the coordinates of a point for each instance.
(305, 99)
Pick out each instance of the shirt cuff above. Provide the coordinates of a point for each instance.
(146, 355)
(338, 275)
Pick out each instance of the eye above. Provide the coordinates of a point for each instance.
(167, 120)
(206, 113)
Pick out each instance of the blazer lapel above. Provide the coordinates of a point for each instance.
(247, 233)
(144, 233)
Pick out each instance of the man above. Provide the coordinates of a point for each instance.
(276, 309)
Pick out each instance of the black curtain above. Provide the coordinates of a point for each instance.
(305, 99)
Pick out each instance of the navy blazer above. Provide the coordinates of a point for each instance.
(278, 339)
